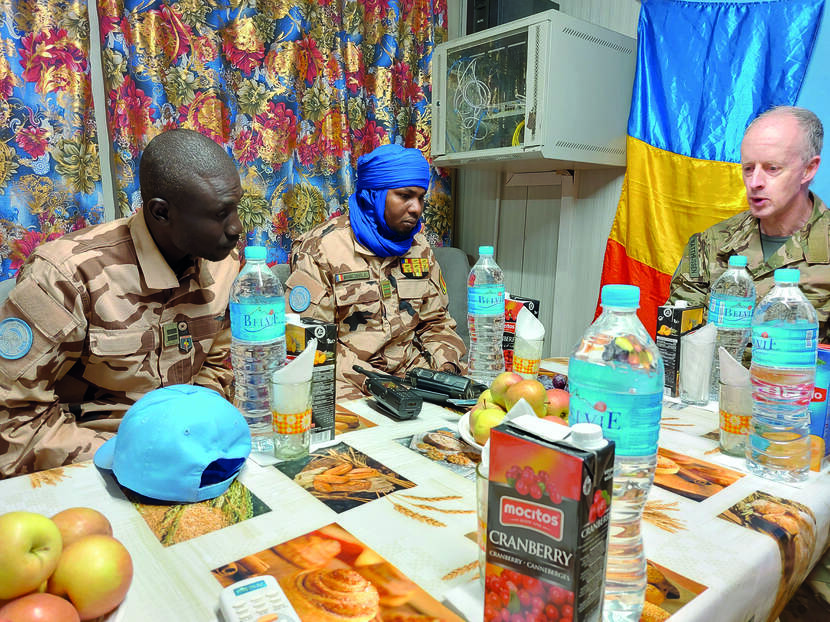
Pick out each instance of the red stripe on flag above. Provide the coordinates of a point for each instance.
(654, 285)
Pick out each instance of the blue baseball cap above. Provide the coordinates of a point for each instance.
(179, 443)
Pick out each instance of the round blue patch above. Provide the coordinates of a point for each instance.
(299, 299)
(15, 338)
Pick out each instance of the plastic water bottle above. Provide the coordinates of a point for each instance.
(784, 346)
(485, 318)
(731, 303)
(615, 377)
(257, 343)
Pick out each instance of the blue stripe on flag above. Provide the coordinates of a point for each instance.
(705, 69)
(815, 95)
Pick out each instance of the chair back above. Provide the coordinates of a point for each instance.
(456, 268)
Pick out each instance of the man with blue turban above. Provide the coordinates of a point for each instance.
(373, 274)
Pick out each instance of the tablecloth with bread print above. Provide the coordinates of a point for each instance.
(722, 544)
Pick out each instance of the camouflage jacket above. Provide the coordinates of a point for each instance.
(391, 313)
(706, 257)
(109, 321)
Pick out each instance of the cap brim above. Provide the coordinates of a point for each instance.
(105, 455)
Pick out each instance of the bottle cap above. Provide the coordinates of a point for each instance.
(255, 252)
(587, 436)
(627, 296)
(738, 261)
(787, 275)
(485, 250)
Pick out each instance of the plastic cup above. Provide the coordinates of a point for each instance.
(527, 356)
(291, 410)
(695, 370)
(735, 407)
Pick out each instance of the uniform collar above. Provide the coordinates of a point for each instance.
(800, 246)
(157, 272)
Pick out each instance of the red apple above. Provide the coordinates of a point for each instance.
(558, 403)
(500, 385)
(30, 545)
(94, 573)
(74, 523)
(39, 608)
(534, 393)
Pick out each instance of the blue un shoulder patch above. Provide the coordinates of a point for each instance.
(15, 338)
(299, 299)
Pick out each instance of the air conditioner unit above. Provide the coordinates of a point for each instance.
(545, 92)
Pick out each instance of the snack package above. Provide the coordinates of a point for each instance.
(547, 524)
(512, 306)
(298, 332)
(672, 323)
(819, 416)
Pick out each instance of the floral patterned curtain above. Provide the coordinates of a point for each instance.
(50, 180)
(296, 90)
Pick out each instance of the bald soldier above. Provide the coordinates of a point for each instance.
(786, 225)
(105, 314)
(373, 274)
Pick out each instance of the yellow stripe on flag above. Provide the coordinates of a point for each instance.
(667, 197)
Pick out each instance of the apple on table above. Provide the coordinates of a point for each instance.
(38, 607)
(30, 547)
(74, 523)
(94, 573)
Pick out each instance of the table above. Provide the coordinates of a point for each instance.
(724, 571)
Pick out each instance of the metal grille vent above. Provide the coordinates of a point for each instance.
(613, 45)
(586, 147)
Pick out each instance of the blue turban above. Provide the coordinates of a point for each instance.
(388, 166)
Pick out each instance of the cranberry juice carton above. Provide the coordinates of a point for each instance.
(297, 335)
(547, 527)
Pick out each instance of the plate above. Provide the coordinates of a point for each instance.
(466, 434)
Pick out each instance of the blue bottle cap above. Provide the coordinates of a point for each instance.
(485, 250)
(627, 296)
(255, 252)
(787, 275)
(738, 261)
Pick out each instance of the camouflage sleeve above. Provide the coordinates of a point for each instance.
(307, 272)
(436, 330)
(690, 281)
(216, 372)
(35, 432)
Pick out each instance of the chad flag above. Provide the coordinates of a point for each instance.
(704, 70)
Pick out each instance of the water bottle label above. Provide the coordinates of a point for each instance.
(257, 322)
(631, 421)
(730, 311)
(785, 344)
(485, 299)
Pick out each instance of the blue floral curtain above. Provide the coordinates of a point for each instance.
(50, 180)
(296, 90)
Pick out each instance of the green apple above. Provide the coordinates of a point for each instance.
(94, 573)
(500, 385)
(485, 419)
(30, 546)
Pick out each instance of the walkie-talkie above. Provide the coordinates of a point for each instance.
(394, 397)
(452, 385)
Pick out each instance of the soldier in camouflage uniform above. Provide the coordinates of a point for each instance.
(374, 275)
(105, 314)
(786, 226)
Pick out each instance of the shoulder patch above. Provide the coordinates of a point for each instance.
(441, 281)
(15, 338)
(694, 256)
(299, 299)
